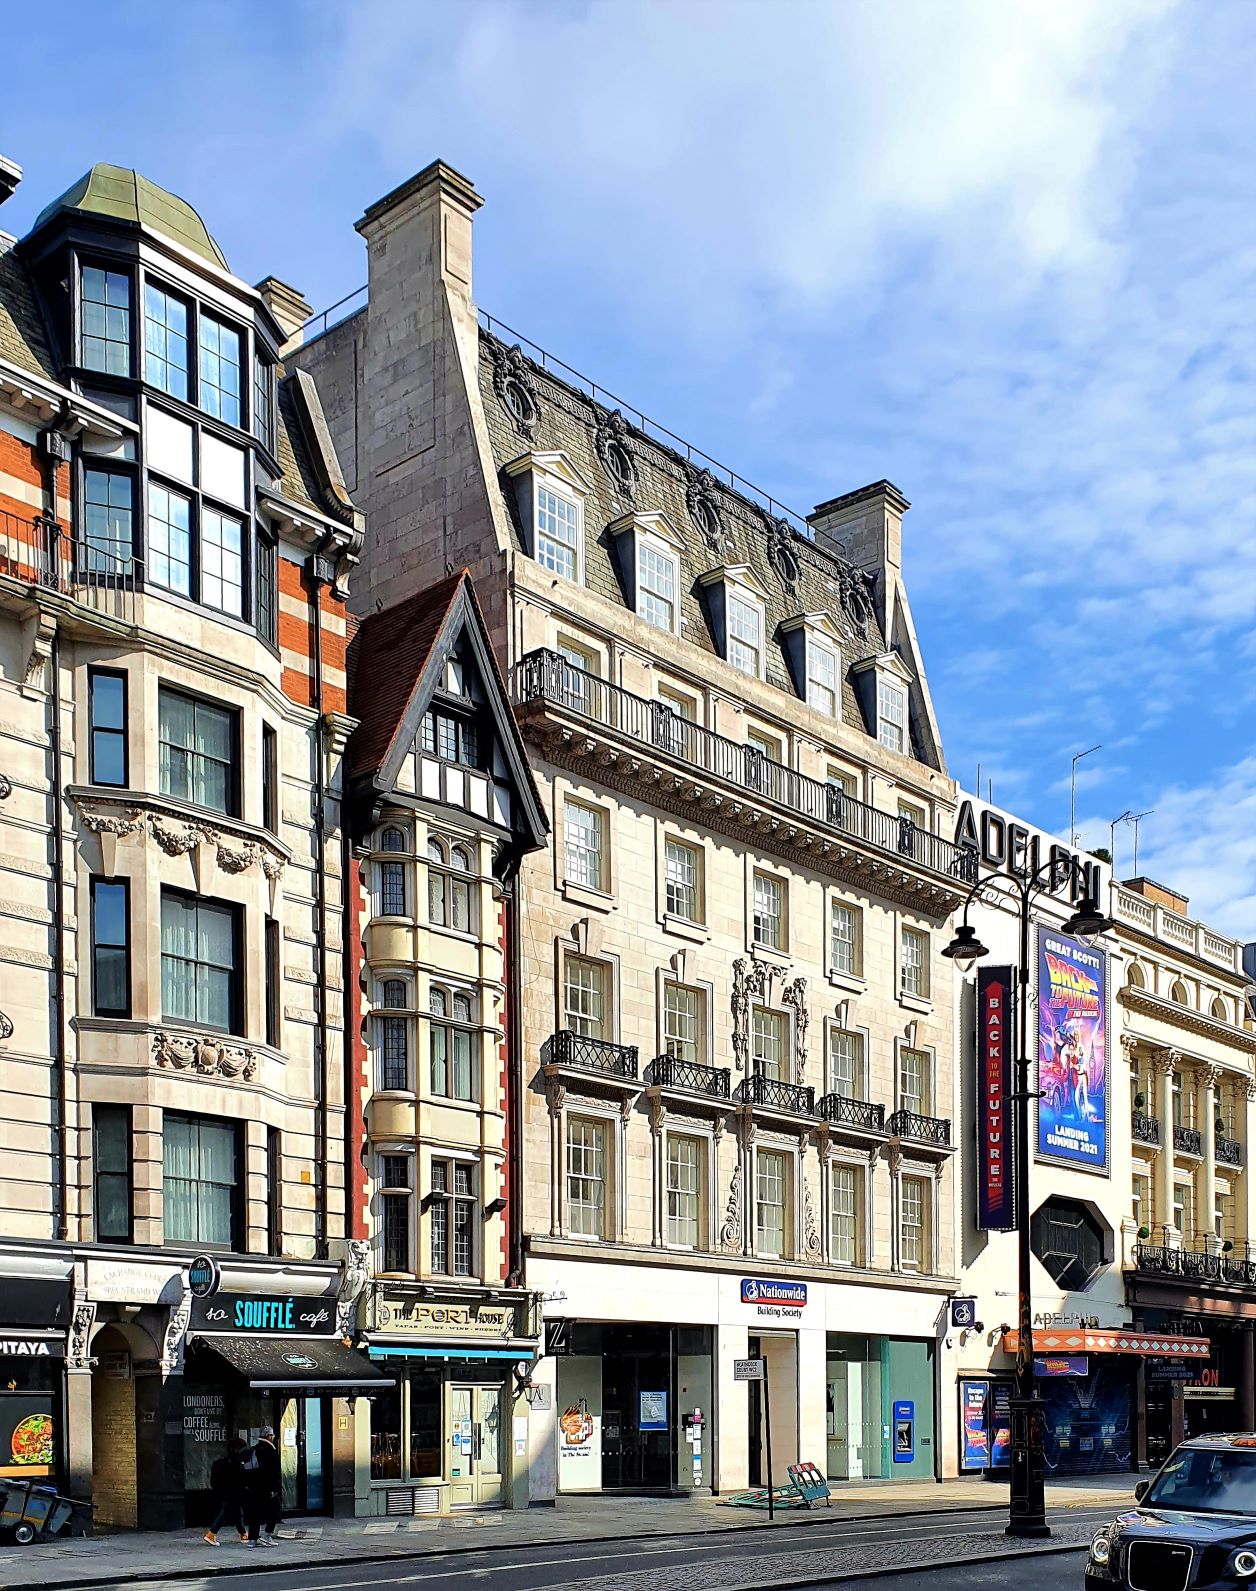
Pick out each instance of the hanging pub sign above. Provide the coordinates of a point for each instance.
(1072, 1053)
(264, 1315)
(996, 1204)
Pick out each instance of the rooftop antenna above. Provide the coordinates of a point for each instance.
(1136, 818)
(1124, 818)
(1072, 797)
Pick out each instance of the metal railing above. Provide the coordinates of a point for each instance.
(327, 318)
(548, 677)
(669, 1071)
(793, 1097)
(1145, 1129)
(1188, 1140)
(36, 551)
(847, 1112)
(1200, 1262)
(566, 1048)
(1229, 1151)
(924, 1129)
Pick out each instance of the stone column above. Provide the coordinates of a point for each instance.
(1164, 1063)
(1208, 1188)
(78, 1404)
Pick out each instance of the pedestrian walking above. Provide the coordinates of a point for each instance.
(263, 1489)
(226, 1482)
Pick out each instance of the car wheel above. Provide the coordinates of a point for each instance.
(24, 1535)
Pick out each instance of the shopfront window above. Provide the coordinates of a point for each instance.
(406, 1428)
(386, 1434)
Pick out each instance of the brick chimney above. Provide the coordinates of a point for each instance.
(288, 307)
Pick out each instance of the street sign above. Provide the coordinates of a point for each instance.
(748, 1370)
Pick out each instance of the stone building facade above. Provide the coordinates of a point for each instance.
(175, 545)
(737, 1075)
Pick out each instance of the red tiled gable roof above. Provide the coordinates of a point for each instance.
(386, 658)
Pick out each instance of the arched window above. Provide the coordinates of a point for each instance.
(438, 1002)
(436, 852)
(459, 859)
(1218, 1009)
(448, 897)
(395, 994)
(1178, 994)
(1134, 977)
(392, 839)
(392, 889)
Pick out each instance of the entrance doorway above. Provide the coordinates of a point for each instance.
(781, 1355)
(301, 1445)
(475, 1456)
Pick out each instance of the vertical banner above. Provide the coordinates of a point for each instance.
(996, 1205)
(1072, 1053)
(975, 1438)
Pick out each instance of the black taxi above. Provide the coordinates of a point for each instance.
(1194, 1527)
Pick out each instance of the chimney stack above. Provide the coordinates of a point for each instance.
(288, 307)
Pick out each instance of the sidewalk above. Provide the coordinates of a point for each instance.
(137, 1557)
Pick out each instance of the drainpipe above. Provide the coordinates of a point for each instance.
(316, 570)
(514, 1071)
(60, 1061)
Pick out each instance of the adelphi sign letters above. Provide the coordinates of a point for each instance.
(1002, 842)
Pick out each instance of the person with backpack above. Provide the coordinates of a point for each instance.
(226, 1482)
(263, 1489)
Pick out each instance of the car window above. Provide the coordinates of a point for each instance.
(1207, 1481)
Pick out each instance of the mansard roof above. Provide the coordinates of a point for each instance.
(118, 193)
(717, 524)
(396, 661)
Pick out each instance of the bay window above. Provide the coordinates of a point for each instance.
(105, 320)
(219, 369)
(451, 1215)
(396, 1214)
(111, 947)
(202, 1182)
(108, 522)
(165, 341)
(197, 751)
(201, 965)
(450, 1043)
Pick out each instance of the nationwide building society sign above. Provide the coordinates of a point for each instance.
(776, 1300)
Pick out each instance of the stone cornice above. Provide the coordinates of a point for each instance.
(1181, 1016)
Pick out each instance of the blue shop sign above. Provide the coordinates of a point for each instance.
(755, 1290)
(265, 1315)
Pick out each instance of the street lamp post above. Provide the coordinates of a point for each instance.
(1027, 1507)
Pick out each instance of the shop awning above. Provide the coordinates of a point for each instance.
(316, 1367)
(424, 1351)
(1150, 1344)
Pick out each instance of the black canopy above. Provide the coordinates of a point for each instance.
(322, 1367)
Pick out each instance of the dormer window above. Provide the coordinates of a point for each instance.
(647, 550)
(105, 319)
(656, 585)
(745, 636)
(813, 651)
(557, 533)
(822, 684)
(891, 715)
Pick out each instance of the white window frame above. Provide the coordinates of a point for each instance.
(913, 968)
(854, 971)
(544, 539)
(779, 945)
(859, 1080)
(580, 1021)
(738, 646)
(924, 1105)
(678, 856)
(787, 1170)
(892, 726)
(858, 1179)
(697, 1192)
(684, 1032)
(576, 847)
(925, 1263)
(601, 1176)
(825, 680)
(664, 560)
(774, 1022)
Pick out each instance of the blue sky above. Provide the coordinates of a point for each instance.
(1001, 252)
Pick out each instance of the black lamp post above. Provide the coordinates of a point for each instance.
(1027, 1510)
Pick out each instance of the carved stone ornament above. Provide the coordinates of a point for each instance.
(611, 443)
(1212, 1075)
(193, 1052)
(6, 787)
(731, 1231)
(515, 389)
(1248, 1086)
(782, 553)
(703, 505)
(795, 997)
(855, 587)
(178, 842)
(6, 1026)
(1128, 1043)
(357, 1272)
(77, 1354)
(176, 1335)
(750, 981)
(1165, 1062)
(237, 861)
(810, 1232)
(118, 823)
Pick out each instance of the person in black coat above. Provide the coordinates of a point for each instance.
(226, 1481)
(263, 1489)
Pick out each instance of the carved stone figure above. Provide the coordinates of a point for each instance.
(795, 997)
(357, 1271)
(77, 1354)
(750, 979)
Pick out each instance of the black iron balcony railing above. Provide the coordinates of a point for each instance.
(847, 1112)
(1188, 1140)
(669, 1071)
(793, 1097)
(594, 1055)
(1145, 1129)
(1229, 1150)
(1198, 1262)
(546, 676)
(90, 570)
(925, 1129)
